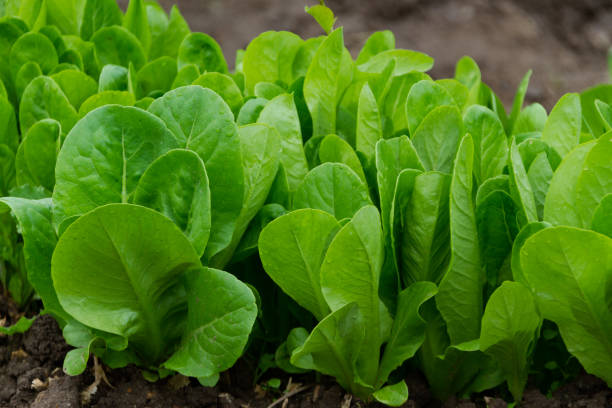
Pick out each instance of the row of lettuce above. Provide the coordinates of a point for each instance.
(322, 212)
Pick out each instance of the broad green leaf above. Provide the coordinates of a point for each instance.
(221, 313)
(509, 330)
(602, 220)
(8, 125)
(424, 234)
(64, 15)
(145, 301)
(116, 45)
(467, 72)
(99, 14)
(460, 297)
(249, 112)
(260, 147)
(35, 159)
(22, 326)
(369, 126)
(572, 288)
(334, 346)
(540, 173)
(171, 40)
(491, 146)
(86, 52)
(269, 57)
(423, 97)
(520, 188)
(26, 74)
(408, 330)
(292, 248)
(392, 395)
(282, 356)
(113, 78)
(376, 43)
(304, 56)
(457, 90)
(268, 90)
(333, 149)
(33, 47)
(405, 61)
(595, 180)
(176, 185)
(605, 112)
(394, 100)
(157, 76)
(593, 122)
(76, 85)
(281, 114)
(43, 99)
(496, 219)
(562, 130)
(55, 36)
(34, 219)
(437, 138)
(157, 19)
(185, 76)
(530, 122)
(517, 104)
(350, 273)
(224, 86)
(7, 171)
(136, 22)
(560, 205)
(321, 83)
(203, 51)
(334, 188)
(104, 156)
(106, 98)
(525, 232)
(323, 15)
(201, 121)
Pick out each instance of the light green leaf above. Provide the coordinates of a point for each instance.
(334, 188)
(333, 149)
(595, 180)
(43, 99)
(405, 61)
(324, 16)
(136, 22)
(369, 126)
(321, 84)
(510, 326)
(423, 97)
(170, 42)
(460, 297)
(22, 326)
(269, 57)
(8, 125)
(376, 43)
(33, 47)
(562, 130)
(224, 86)
(260, 147)
(281, 114)
(520, 188)
(176, 185)
(292, 248)
(437, 138)
(201, 121)
(203, 51)
(221, 313)
(602, 217)
(350, 273)
(491, 146)
(517, 104)
(123, 98)
(116, 45)
(144, 302)
(157, 76)
(392, 395)
(76, 85)
(98, 14)
(35, 159)
(572, 288)
(104, 156)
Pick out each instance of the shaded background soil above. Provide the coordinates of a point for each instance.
(564, 41)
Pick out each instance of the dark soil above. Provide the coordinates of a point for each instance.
(563, 41)
(31, 376)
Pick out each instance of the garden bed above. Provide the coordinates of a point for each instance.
(31, 376)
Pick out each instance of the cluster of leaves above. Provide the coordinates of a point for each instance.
(401, 216)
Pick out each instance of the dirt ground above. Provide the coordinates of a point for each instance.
(565, 42)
